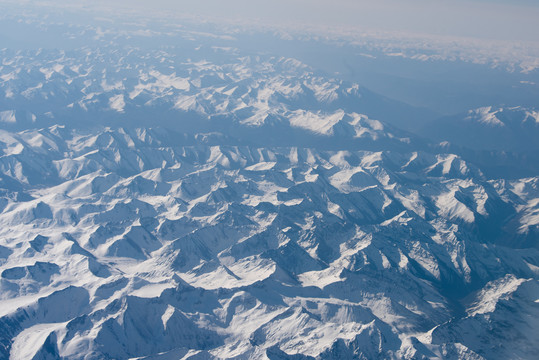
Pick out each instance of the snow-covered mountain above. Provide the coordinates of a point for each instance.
(47, 87)
(501, 141)
(137, 242)
(488, 128)
(204, 202)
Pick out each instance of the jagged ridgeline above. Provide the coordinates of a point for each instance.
(198, 202)
(132, 242)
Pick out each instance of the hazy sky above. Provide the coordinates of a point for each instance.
(495, 19)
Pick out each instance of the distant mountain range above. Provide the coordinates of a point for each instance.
(201, 203)
(502, 129)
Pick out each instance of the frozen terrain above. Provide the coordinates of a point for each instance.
(195, 201)
(131, 243)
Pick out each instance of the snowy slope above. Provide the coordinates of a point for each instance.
(488, 128)
(202, 202)
(130, 243)
(191, 88)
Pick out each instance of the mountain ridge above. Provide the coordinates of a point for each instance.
(293, 232)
